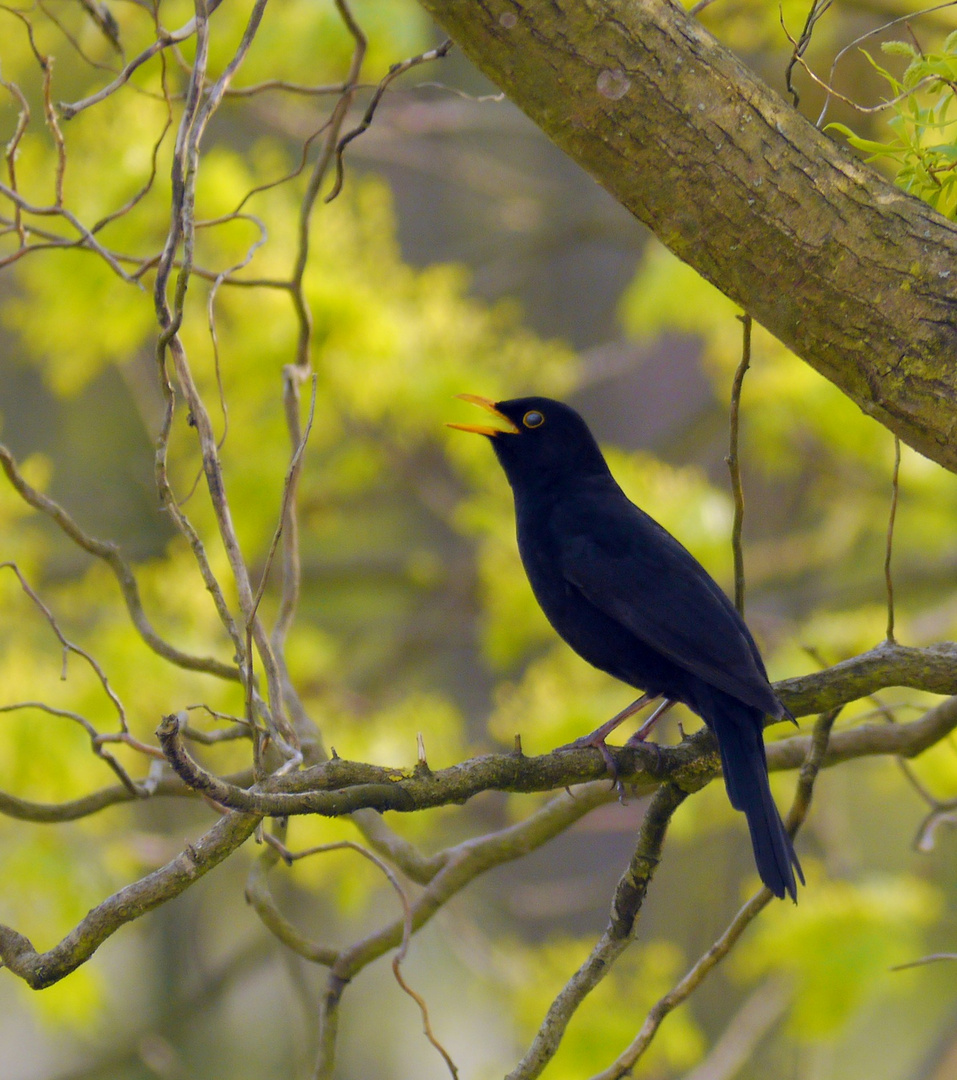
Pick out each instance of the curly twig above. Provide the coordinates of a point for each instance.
(110, 554)
(393, 73)
(165, 40)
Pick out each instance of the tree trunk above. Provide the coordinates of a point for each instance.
(858, 278)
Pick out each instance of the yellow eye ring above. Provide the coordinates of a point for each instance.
(533, 419)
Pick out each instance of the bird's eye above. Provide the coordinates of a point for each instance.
(533, 419)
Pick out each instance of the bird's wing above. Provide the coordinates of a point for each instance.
(633, 570)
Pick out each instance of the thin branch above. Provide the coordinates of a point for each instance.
(863, 37)
(941, 813)
(629, 897)
(286, 516)
(342, 845)
(196, 114)
(166, 39)
(289, 518)
(68, 646)
(85, 805)
(333, 130)
(86, 237)
(40, 970)
(393, 73)
(110, 554)
(865, 110)
(935, 958)
(456, 867)
(287, 87)
(734, 466)
(260, 898)
(817, 10)
(888, 578)
(12, 149)
(96, 739)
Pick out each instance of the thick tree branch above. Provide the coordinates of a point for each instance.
(339, 787)
(852, 274)
(932, 668)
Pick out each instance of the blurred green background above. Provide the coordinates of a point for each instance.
(465, 254)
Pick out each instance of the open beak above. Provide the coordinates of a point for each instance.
(484, 429)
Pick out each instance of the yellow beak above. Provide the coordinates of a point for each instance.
(483, 429)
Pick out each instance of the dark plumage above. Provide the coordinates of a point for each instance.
(629, 599)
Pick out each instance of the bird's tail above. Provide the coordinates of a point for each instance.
(739, 730)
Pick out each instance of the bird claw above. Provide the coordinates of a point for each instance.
(597, 742)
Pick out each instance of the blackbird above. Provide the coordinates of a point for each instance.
(632, 601)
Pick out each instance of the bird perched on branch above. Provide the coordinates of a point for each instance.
(629, 599)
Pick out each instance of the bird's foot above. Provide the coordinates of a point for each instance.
(596, 740)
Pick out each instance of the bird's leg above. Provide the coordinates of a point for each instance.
(598, 736)
(642, 733)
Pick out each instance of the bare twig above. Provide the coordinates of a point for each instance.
(935, 958)
(863, 37)
(286, 515)
(941, 813)
(73, 809)
(863, 109)
(166, 39)
(110, 554)
(11, 150)
(333, 129)
(39, 970)
(393, 73)
(629, 897)
(888, 578)
(289, 857)
(196, 114)
(734, 466)
(68, 646)
(291, 569)
(816, 12)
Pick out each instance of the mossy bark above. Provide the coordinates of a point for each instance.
(858, 278)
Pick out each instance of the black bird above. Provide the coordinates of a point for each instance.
(632, 601)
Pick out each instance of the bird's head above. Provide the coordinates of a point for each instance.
(539, 440)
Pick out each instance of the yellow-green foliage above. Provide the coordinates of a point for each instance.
(838, 945)
(397, 515)
(612, 1013)
(920, 144)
